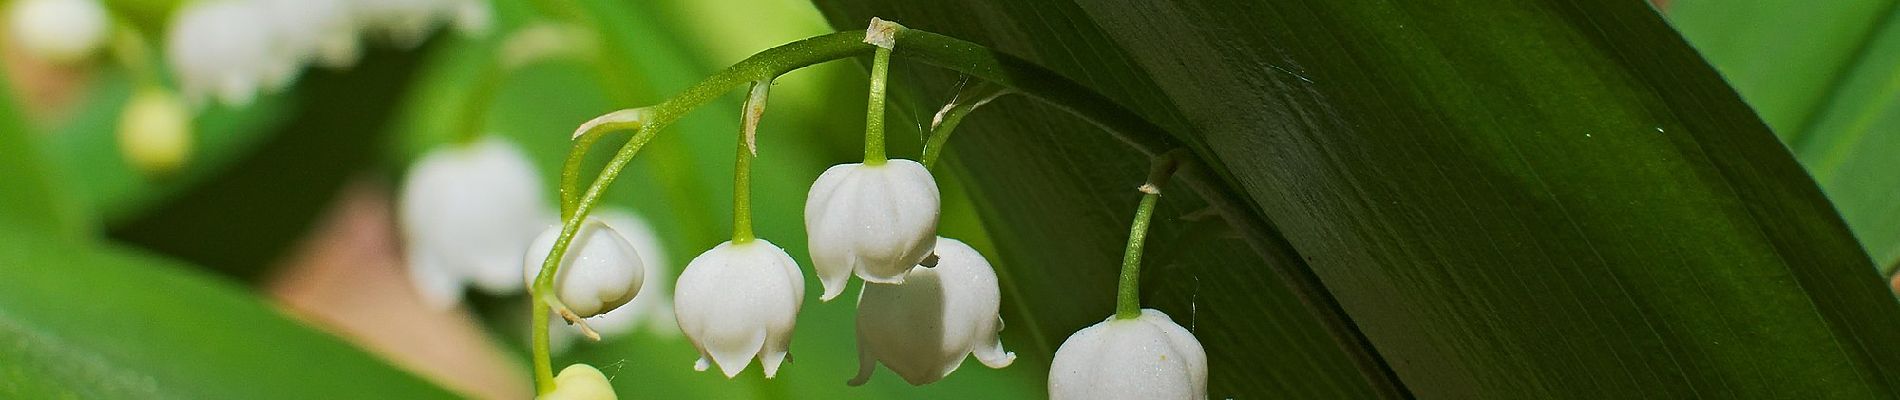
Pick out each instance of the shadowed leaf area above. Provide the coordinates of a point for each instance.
(1470, 199)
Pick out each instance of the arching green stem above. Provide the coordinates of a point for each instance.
(942, 51)
(947, 119)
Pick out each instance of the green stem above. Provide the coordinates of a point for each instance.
(742, 172)
(1128, 295)
(874, 109)
(952, 114)
(543, 359)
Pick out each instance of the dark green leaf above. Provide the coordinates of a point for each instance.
(1504, 199)
(1822, 74)
(97, 323)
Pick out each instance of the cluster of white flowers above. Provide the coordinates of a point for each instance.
(473, 216)
(228, 50)
(927, 304)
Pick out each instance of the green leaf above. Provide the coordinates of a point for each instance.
(1469, 199)
(90, 322)
(1821, 73)
(32, 197)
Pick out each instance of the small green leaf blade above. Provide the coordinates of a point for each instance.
(102, 322)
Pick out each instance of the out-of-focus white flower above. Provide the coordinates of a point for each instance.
(155, 132)
(738, 301)
(473, 18)
(469, 212)
(599, 272)
(876, 220)
(1148, 357)
(59, 30)
(580, 382)
(319, 30)
(224, 49)
(922, 329)
(406, 23)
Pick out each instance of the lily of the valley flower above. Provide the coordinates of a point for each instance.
(223, 50)
(406, 23)
(580, 382)
(922, 329)
(600, 271)
(739, 301)
(313, 30)
(876, 220)
(58, 30)
(1147, 357)
(468, 213)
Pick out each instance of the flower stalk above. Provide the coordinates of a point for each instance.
(958, 55)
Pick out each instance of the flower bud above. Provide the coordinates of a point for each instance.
(922, 329)
(652, 308)
(468, 213)
(738, 301)
(155, 132)
(1148, 357)
(58, 30)
(599, 272)
(580, 382)
(876, 220)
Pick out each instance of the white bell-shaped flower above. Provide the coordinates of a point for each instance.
(1148, 357)
(468, 213)
(581, 382)
(878, 221)
(59, 30)
(600, 271)
(739, 301)
(223, 49)
(922, 329)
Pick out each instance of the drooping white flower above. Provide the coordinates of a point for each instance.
(739, 301)
(323, 31)
(59, 30)
(581, 382)
(600, 271)
(922, 329)
(223, 49)
(468, 213)
(652, 309)
(1148, 357)
(155, 132)
(878, 221)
